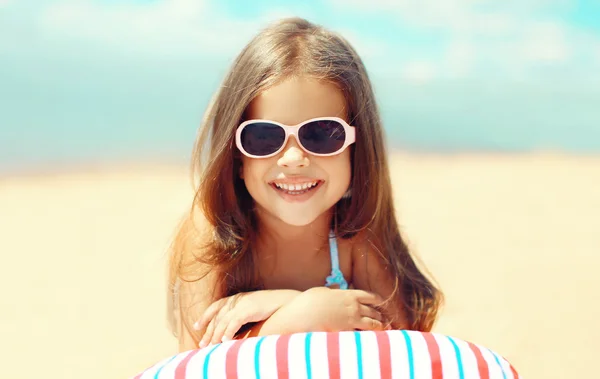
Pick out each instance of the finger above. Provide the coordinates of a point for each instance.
(366, 311)
(220, 327)
(233, 327)
(209, 314)
(367, 323)
(369, 298)
(207, 336)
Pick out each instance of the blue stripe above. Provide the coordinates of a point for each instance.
(409, 351)
(256, 357)
(206, 358)
(498, 361)
(307, 355)
(161, 367)
(359, 354)
(461, 373)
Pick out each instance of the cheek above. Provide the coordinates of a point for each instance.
(253, 170)
(340, 169)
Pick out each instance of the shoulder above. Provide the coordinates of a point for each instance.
(367, 262)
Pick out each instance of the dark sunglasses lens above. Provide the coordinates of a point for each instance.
(262, 138)
(322, 137)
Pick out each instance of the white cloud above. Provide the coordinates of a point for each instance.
(505, 38)
(460, 58)
(179, 26)
(419, 72)
(545, 42)
(367, 47)
(457, 14)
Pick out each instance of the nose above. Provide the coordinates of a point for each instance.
(293, 156)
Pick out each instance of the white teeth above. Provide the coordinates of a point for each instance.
(296, 187)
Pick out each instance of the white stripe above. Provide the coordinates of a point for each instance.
(216, 361)
(506, 367)
(348, 362)
(245, 358)
(399, 355)
(319, 355)
(422, 359)
(296, 356)
(447, 356)
(468, 359)
(168, 371)
(196, 363)
(268, 357)
(151, 371)
(495, 370)
(370, 355)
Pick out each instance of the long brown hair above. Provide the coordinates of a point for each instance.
(292, 47)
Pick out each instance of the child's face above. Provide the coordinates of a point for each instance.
(292, 102)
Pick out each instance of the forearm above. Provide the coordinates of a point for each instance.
(281, 322)
(290, 318)
(283, 297)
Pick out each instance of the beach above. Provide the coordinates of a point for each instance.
(512, 239)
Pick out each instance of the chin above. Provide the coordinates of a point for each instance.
(298, 220)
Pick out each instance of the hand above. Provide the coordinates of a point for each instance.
(325, 309)
(223, 318)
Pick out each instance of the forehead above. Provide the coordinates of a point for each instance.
(298, 99)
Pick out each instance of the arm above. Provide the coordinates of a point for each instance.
(235, 314)
(288, 319)
(323, 309)
(369, 273)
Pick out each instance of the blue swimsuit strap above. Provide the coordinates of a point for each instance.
(336, 277)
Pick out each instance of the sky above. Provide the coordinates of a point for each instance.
(101, 80)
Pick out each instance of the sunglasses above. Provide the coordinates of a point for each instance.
(324, 136)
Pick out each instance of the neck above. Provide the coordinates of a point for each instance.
(280, 239)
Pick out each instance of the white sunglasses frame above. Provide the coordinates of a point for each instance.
(292, 130)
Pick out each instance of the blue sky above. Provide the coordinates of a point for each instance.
(107, 80)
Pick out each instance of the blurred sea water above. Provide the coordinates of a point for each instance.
(88, 122)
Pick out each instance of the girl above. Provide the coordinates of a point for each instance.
(292, 228)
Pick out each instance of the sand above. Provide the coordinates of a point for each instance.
(512, 239)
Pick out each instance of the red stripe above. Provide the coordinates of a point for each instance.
(281, 348)
(231, 360)
(434, 353)
(514, 372)
(482, 366)
(512, 369)
(333, 355)
(385, 355)
(182, 366)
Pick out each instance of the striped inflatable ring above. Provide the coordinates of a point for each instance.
(398, 354)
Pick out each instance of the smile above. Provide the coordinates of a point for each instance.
(296, 191)
(296, 186)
